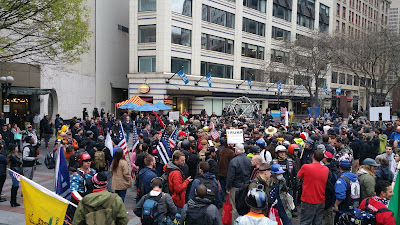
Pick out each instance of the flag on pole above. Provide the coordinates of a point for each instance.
(163, 151)
(122, 142)
(42, 206)
(249, 81)
(279, 86)
(394, 204)
(159, 119)
(338, 90)
(183, 76)
(326, 90)
(135, 138)
(211, 126)
(184, 119)
(208, 78)
(62, 181)
(172, 138)
(108, 143)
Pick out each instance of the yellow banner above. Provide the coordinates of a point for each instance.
(41, 205)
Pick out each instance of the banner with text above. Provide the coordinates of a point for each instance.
(234, 136)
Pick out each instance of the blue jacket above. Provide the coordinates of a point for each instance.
(384, 173)
(145, 176)
(3, 164)
(341, 185)
(196, 183)
(395, 135)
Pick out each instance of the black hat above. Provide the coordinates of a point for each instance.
(153, 132)
(115, 141)
(88, 133)
(331, 131)
(100, 180)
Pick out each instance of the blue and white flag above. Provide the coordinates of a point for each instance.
(163, 151)
(326, 90)
(183, 76)
(301, 86)
(338, 90)
(279, 86)
(172, 138)
(208, 77)
(62, 181)
(249, 81)
(135, 138)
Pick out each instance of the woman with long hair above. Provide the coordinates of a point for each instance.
(121, 178)
(16, 131)
(14, 162)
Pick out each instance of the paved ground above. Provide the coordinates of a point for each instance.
(45, 177)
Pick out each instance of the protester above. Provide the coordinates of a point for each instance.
(29, 157)
(14, 162)
(121, 177)
(3, 171)
(366, 176)
(77, 180)
(383, 172)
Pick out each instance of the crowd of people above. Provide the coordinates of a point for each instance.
(319, 169)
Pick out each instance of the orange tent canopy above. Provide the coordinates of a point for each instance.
(135, 100)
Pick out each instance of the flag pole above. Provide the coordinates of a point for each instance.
(237, 85)
(197, 82)
(167, 80)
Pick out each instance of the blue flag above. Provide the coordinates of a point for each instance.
(208, 77)
(62, 182)
(279, 86)
(338, 90)
(301, 86)
(326, 90)
(249, 81)
(183, 76)
(135, 138)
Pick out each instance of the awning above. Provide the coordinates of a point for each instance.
(348, 98)
(28, 91)
(135, 100)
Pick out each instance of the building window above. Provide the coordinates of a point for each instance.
(322, 82)
(181, 36)
(301, 80)
(253, 27)
(252, 51)
(349, 79)
(338, 9)
(218, 44)
(247, 72)
(147, 33)
(178, 64)
(356, 81)
(344, 12)
(279, 56)
(218, 16)
(334, 77)
(183, 7)
(278, 76)
(282, 10)
(147, 5)
(147, 64)
(259, 5)
(324, 18)
(305, 21)
(280, 34)
(342, 78)
(217, 70)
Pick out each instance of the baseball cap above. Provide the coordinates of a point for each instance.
(182, 133)
(321, 147)
(344, 163)
(328, 155)
(370, 162)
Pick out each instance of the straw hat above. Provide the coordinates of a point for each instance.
(271, 130)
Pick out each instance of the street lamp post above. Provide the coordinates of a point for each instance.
(5, 90)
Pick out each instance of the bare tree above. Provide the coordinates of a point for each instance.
(374, 60)
(307, 66)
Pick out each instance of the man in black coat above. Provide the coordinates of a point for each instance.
(15, 118)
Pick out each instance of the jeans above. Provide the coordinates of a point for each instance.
(222, 181)
(328, 216)
(15, 182)
(127, 134)
(18, 143)
(2, 180)
(311, 213)
(46, 140)
(121, 194)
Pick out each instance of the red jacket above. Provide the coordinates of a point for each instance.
(177, 184)
(384, 218)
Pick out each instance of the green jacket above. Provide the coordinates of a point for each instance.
(382, 143)
(98, 200)
(367, 184)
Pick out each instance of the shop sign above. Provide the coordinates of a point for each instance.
(234, 136)
(6, 108)
(144, 88)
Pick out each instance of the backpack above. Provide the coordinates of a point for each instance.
(99, 158)
(195, 215)
(87, 182)
(49, 161)
(361, 217)
(101, 216)
(150, 212)
(241, 206)
(165, 183)
(352, 192)
(211, 190)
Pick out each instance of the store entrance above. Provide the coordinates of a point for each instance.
(180, 104)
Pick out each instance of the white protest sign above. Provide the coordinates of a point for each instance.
(234, 136)
(379, 113)
(174, 115)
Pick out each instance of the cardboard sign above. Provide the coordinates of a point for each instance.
(174, 115)
(379, 113)
(234, 136)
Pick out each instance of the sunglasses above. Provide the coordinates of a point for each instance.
(87, 160)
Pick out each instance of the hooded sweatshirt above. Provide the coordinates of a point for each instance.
(341, 185)
(98, 201)
(196, 183)
(170, 206)
(212, 216)
(177, 183)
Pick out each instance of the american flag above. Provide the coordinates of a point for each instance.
(135, 139)
(163, 151)
(122, 142)
(214, 132)
(172, 138)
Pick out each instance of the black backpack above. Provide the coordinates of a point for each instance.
(211, 190)
(87, 183)
(165, 182)
(240, 198)
(49, 161)
(196, 215)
